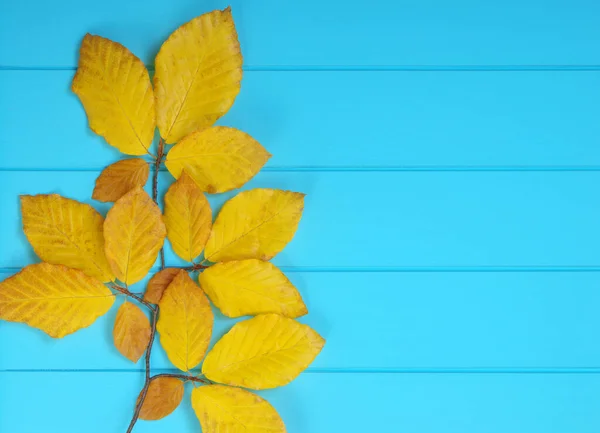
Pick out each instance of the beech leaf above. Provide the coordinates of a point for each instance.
(256, 224)
(251, 287)
(198, 75)
(54, 298)
(223, 409)
(185, 322)
(65, 232)
(135, 233)
(264, 352)
(163, 396)
(188, 218)
(218, 159)
(115, 90)
(131, 333)
(159, 283)
(119, 178)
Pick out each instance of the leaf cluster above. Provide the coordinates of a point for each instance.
(89, 259)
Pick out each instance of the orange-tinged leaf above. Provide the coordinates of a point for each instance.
(198, 75)
(159, 283)
(256, 224)
(188, 218)
(264, 352)
(54, 298)
(131, 332)
(185, 322)
(119, 178)
(218, 159)
(223, 409)
(115, 90)
(65, 232)
(163, 396)
(134, 233)
(251, 287)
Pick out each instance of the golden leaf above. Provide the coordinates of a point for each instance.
(159, 283)
(65, 232)
(134, 232)
(131, 333)
(251, 287)
(188, 218)
(218, 159)
(119, 178)
(54, 298)
(185, 322)
(264, 352)
(115, 90)
(223, 409)
(163, 396)
(256, 224)
(198, 75)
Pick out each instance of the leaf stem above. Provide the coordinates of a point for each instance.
(153, 308)
(157, 162)
(194, 267)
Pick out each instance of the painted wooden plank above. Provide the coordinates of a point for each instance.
(319, 403)
(397, 219)
(312, 32)
(389, 321)
(361, 119)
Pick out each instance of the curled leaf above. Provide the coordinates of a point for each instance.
(256, 224)
(131, 333)
(185, 322)
(163, 396)
(159, 283)
(251, 287)
(264, 352)
(198, 75)
(114, 88)
(54, 298)
(223, 409)
(218, 159)
(119, 178)
(134, 232)
(65, 232)
(188, 218)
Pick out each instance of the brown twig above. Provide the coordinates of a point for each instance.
(194, 267)
(159, 157)
(154, 309)
(184, 377)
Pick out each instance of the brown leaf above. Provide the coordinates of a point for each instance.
(119, 178)
(131, 333)
(163, 396)
(159, 283)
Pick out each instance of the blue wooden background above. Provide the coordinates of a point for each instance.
(450, 248)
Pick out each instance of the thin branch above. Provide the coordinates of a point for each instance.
(194, 267)
(184, 377)
(153, 308)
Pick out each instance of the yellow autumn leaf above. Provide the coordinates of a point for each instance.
(119, 178)
(115, 90)
(163, 396)
(159, 283)
(256, 224)
(223, 409)
(131, 333)
(185, 322)
(54, 298)
(65, 232)
(188, 218)
(198, 75)
(264, 352)
(218, 159)
(134, 233)
(251, 287)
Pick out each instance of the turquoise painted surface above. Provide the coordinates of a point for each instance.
(450, 248)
